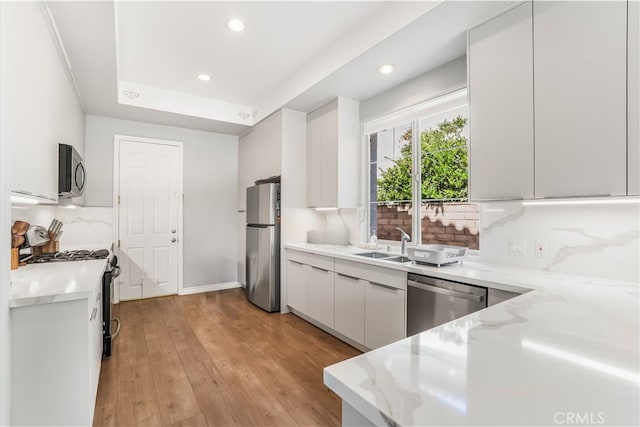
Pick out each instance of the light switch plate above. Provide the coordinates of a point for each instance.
(517, 247)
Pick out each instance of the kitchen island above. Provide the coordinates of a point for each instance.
(565, 353)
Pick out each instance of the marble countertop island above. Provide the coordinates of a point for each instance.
(566, 353)
(54, 282)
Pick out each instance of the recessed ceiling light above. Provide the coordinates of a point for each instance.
(235, 24)
(204, 77)
(386, 68)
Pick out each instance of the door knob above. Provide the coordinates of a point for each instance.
(173, 231)
(173, 240)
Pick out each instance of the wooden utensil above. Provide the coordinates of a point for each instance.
(17, 241)
(21, 227)
(15, 254)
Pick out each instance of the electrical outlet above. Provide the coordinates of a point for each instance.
(541, 248)
(517, 247)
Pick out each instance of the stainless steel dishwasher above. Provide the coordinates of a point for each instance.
(432, 302)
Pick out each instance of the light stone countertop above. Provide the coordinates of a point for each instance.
(569, 350)
(54, 282)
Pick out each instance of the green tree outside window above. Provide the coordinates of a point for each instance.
(444, 166)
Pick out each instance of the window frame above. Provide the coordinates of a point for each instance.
(413, 115)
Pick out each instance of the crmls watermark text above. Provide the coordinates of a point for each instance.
(578, 418)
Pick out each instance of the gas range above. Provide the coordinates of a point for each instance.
(80, 255)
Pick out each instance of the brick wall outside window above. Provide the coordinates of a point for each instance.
(442, 223)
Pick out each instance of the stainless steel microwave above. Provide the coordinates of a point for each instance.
(72, 176)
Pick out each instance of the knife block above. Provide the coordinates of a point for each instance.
(15, 258)
(48, 248)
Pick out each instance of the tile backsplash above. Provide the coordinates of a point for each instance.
(595, 240)
(90, 227)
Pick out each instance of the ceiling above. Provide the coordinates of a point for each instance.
(140, 60)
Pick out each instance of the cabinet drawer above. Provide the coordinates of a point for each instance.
(384, 315)
(320, 261)
(372, 273)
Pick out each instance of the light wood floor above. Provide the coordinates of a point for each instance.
(215, 359)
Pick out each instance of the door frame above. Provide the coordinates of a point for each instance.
(117, 138)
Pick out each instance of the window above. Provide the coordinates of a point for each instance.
(432, 208)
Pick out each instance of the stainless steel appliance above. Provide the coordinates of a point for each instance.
(108, 333)
(79, 255)
(432, 302)
(263, 246)
(110, 273)
(71, 173)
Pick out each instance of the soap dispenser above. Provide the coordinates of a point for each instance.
(373, 240)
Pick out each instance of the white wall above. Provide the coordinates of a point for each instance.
(594, 240)
(5, 255)
(443, 79)
(210, 191)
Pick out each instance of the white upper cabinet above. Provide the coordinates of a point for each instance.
(259, 155)
(580, 98)
(39, 104)
(314, 154)
(633, 90)
(333, 161)
(501, 115)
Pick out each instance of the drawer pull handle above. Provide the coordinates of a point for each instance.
(347, 276)
(384, 286)
(319, 268)
(448, 292)
(296, 262)
(93, 314)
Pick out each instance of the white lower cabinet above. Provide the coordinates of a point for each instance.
(321, 287)
(384, 314)
(349, 307)
(361, 302)
(297, 287)
(57, 353)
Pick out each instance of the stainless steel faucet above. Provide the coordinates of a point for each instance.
(405, 238)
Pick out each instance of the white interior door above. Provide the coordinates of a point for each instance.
(148, 217)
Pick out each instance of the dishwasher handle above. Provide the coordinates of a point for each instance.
(443, 291)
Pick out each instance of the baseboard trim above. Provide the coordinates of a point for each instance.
(209, 288)
(330, 331)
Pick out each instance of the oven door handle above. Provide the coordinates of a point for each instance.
(443, 291)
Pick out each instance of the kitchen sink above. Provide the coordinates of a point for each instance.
(399, 259)
(375, 255)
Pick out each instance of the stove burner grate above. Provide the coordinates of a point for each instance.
(80, 255)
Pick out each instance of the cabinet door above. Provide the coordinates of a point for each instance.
(384, 315)
(321, 295)
(329, 159)
(580, 98)
(314, 163)
(95, 343)
(349, 307)
(633, 110)
(501, 107)
(297, 289)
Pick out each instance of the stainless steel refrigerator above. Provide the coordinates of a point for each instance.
(263, 246)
